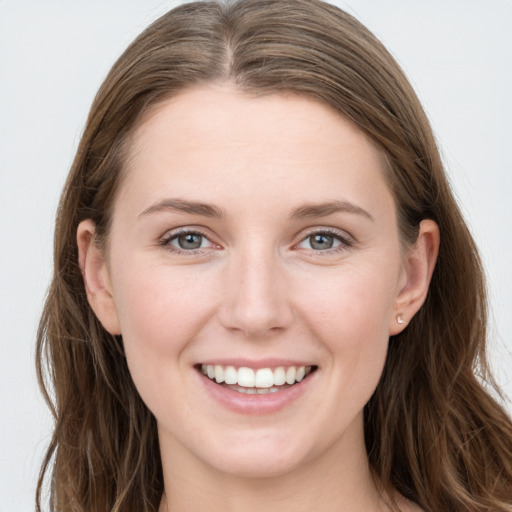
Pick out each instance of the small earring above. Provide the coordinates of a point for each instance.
(400, 319)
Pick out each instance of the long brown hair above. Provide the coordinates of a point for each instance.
(433, 432)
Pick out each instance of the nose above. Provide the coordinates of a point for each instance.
(255, 299)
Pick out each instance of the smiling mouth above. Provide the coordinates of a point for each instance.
(259, 381)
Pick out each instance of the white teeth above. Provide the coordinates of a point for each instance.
(219, 374)
(259, 391)
(246, 377)
(264, 378)
(279, 376)
(261, 381)
(290, 375)
(230, 375)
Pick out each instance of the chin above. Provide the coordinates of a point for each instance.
(257, 466)
(260, 458)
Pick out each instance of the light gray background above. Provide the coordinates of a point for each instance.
(54, 55)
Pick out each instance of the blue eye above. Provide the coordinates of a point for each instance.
(324, 241)
(187, 241)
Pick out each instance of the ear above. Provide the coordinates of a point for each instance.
(96, 277)
(418, 269)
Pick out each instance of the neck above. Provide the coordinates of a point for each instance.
(335, 481)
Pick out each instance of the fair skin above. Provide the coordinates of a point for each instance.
(258, 233)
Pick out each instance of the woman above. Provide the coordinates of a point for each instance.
(264, 291)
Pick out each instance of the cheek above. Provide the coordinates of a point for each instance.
(161, 309)
(350, 315)
(353, 306)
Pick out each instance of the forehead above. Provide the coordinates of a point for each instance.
(212, 141)
(290, 116)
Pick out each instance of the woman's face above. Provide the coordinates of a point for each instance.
(255, 234)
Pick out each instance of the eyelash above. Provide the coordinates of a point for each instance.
(345, 242)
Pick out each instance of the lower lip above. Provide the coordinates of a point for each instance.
(268, 403)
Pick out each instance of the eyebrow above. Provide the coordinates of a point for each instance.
(324, 209)
(209, 210)
(183, 206)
